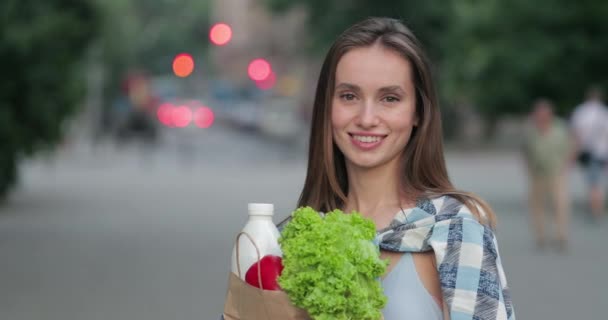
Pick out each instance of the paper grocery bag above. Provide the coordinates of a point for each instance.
(246, 302)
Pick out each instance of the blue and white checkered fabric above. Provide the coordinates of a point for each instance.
(473, 282)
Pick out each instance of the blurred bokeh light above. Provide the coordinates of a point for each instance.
(220, 34)
(259, 69)
(268, 83)
(164, 114)
(181, 116)
(183, 65)
(204, 117)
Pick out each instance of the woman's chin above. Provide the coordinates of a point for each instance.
(366, 163)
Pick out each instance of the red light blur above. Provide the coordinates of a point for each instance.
(267, 83)
(181, 116)
(220, 34)
(183, 65)
(204, 117)
(259, 69)
(164, 114)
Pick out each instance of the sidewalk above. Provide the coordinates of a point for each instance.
(101, 236)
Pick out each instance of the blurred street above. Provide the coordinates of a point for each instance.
(146, 233)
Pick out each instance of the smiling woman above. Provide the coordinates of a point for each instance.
(376, 147)
(373, 107)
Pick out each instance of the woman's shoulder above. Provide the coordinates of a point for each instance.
(458, 224)
(461, 204)
(444, 204)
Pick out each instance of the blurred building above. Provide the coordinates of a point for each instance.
(258, 34)
(281, 39)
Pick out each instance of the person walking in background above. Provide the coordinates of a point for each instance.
(547, 150)
(590, 129)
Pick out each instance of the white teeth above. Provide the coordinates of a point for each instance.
(367, 139)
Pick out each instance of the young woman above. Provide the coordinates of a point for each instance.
(376, 147)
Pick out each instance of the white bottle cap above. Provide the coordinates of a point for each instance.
(261, 209)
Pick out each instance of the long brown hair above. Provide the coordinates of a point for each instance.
(425, 173)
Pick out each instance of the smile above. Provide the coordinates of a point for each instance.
(366, 142)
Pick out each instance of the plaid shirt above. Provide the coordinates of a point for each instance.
(473, 282)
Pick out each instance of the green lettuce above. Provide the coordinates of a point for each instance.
(331, 265)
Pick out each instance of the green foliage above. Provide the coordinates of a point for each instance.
(498, 54)
(332, 266)
(507, 53)
(41, 47)
(327, 19)
(147, 34)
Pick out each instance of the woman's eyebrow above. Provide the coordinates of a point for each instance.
(395, 88)
(356, 88)
(348, 86)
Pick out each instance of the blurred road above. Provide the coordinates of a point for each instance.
(106, 233)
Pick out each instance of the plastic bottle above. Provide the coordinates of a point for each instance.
(265, 235)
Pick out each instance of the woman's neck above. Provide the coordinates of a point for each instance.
(374, 191)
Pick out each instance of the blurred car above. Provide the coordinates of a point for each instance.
(280, 118)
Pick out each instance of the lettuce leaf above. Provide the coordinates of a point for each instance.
(331, 265)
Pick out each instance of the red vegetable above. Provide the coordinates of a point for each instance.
(271, 267)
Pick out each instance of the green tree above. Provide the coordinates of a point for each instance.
(41, 48)
(497, 55)
(145, 35)
(430, 20)
(327, 19)
(504, 54)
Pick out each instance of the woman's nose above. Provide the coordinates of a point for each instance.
(368, 115)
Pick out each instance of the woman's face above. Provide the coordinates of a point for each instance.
(373, 106)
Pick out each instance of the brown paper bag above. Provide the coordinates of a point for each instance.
(246, 302)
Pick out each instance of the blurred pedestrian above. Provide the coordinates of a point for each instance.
(590, 128)
(547, 151)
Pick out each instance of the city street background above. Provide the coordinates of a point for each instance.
(112, 232)
(133, 134)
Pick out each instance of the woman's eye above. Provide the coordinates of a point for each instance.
(391, 99)
(347, 96)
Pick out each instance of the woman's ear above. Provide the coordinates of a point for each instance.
(416, 120)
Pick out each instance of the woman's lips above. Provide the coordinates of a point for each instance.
(366, 142)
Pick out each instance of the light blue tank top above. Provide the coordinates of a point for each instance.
(407, 296)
